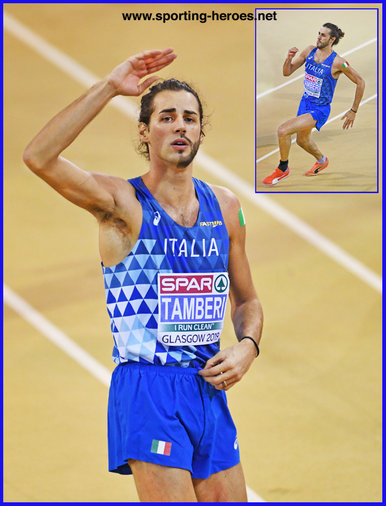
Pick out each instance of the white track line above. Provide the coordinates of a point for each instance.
(56, 336)
(296, 225)
(287, 83)
(327, 122)
(77, 72)
(63, 62)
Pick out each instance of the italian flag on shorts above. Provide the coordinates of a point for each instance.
(161, 447)
(345, 64)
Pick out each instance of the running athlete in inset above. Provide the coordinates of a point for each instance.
(173, 248)
(323, 66)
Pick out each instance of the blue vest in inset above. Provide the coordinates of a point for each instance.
(319, 85)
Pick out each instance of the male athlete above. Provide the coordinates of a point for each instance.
(323, 66)
(172, 247)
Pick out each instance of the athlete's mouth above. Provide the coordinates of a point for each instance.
(180, 144)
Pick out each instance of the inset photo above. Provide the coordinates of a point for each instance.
(317, 115)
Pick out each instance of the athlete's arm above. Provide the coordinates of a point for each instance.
(247, 316)
(341, 66)
(94, 192)
(290, 65)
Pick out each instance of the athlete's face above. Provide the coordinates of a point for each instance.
(174, 132)
(324, 38)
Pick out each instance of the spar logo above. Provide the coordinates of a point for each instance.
(312, 79)
(186, 283)
(193, 284)
(221, 283)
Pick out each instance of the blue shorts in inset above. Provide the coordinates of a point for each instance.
(320, 113)
(169, 416)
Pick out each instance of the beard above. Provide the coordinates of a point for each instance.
(322, 45)
(184, 163)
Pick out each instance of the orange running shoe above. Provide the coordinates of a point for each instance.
(276, 176)
(317, 168)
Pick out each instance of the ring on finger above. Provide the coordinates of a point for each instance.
(224, 383)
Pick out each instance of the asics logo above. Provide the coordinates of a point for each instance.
(157, 218)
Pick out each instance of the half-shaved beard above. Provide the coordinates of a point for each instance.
(184, 163)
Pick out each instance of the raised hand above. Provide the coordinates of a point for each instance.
(292, 52)
(125, 78)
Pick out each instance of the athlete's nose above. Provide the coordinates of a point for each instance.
(179, 124)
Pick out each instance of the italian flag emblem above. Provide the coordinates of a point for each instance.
(161, 447)
(241, 217)
(345, 64)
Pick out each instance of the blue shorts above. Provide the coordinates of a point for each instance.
(169, 416)
(320, 113)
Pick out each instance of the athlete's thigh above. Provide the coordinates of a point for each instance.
(224, 486)
(303, 123)
(155, 483)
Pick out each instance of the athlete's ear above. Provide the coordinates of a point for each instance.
(202, 135)
(143, 132)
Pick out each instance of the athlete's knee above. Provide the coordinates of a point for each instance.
(282, 131)
(215, 494)
(226, 494)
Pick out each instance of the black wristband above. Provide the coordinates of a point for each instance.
(353, 111)
(254, 342)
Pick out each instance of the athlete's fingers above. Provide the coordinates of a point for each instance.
(226, 385)
(344, 126)
(155, 67)
(156, 53)
(151, 61)
(153, 64)
(349, 118)
(146, 83)
(161, 58)
(220, 374)
(215, 368)
(213, 361)
(348, 123)
(212, 370)
(152, 54)
(229, 385)
(220, 381)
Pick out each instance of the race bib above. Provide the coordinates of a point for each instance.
(191, 308)
(312, 85)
